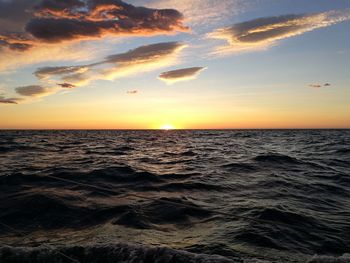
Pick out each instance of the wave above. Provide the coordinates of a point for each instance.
(190, 186)
(120, 252)
(330, 259)
(276, 158)
(163, 211)
(116, 174)
(184, 153)
(32, 211)
(287, 217)
(44, 211)
(293, 231)
(343, 151)
(240, 167)
(16, 147)
(4, 149)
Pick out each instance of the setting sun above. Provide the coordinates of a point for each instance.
(167, 127)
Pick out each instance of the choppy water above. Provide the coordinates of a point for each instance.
(297, 180)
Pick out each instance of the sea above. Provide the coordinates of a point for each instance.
(175, 196)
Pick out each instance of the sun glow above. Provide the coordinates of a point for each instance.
(167, 127)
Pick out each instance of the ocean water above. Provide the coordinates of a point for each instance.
(175, 196)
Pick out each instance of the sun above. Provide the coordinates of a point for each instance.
(167, 127)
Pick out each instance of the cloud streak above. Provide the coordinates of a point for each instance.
(66, 85)
(203, 12)
(119, 65)
(4, 100)
(261, 33)
(34, 91)
(132, 92)
(180, 74)
(317, 86)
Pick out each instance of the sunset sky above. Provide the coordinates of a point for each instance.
(144, 64)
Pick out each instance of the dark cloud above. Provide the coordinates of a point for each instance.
(4, 100)
(51, 71)
(58, 20)
(14, 14)
(26, 23)
(32, 90)
(132, 91)
(14, 41)
(60, 8)
(145, 53)
(66, 85)
(262, 32)
(316, 85)
(180, 74)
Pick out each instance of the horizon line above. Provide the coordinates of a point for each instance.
(155, 129)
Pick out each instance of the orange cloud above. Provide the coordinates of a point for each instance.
(58, 20)
(24, 25)
(264, 32)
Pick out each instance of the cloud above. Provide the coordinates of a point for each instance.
(33, 91)
(134, 61)
(14, 14)
(261, 33)
(180, 74)
(58, 20)
(317, 86)
(14, 42)
(66, 85)
(13, 59)
(4, 100)
(145, 53)
(41, 25)
(202, 13)
(132, 91)
(46, 72)
(141, 59)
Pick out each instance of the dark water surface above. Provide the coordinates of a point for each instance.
(297, 182)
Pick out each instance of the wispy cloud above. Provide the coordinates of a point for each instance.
(134, 61)
(180, 74)
(261, 33)
(66, 85)
(131, 92)
(203, 12)
(34, 91)
(142, 59)
(4, 100)
(46, 72)
(317, 86)
(12, 59)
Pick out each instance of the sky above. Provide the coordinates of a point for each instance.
(185, 64)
